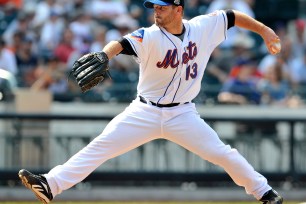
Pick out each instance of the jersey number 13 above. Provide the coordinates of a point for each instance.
(191, 71)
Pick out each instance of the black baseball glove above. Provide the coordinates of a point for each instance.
(90, 70)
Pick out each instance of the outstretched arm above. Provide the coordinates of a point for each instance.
(92, 68)
(112, 49)
(270, 38)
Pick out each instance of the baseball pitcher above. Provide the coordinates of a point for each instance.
(172, 56)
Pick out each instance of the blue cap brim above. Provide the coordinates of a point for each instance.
(150, 3)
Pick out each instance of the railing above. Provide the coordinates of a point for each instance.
(296, 150)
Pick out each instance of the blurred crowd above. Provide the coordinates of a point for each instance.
(41, 39)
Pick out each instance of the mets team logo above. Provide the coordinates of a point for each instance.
(138, 35)
(171, 58)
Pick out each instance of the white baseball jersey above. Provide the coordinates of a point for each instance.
(171, 70)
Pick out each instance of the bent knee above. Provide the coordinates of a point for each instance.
(221, 155)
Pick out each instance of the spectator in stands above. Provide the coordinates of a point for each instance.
(121, 26)
(137, 12)
(298, 37)
(16, 41)
(241, 88)
(8, 14)
(77, 5)
(43, 11)
(274, 88)
(27, 63)
(7, 59)
(50, 34)
(99, 39)
(21, 24)
(65, 48)
(299, 69)
(52, 76)
(105, 10)
(242, 46)
(218, 71)
(71, 7)
(82, 28)
(298, 73)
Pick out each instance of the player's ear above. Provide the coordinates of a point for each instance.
(180, 9)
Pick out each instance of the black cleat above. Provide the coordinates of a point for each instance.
(36, 183)
(271, 197)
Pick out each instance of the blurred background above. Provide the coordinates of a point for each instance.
(255, 101)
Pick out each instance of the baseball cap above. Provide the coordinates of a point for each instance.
(150, 3)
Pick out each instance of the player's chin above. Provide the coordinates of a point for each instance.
(158, 23)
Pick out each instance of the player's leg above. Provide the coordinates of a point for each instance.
(130, 129)
(191, 132)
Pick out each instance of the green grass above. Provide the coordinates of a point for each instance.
(54, 202)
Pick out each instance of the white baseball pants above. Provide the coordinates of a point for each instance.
(141, 123)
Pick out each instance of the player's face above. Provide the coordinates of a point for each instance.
(163, 15)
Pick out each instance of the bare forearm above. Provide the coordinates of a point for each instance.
(271, 39)
(112, 49)
(244, 21)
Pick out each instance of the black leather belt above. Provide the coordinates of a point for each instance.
(143, 100)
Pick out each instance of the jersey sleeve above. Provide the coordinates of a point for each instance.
(214, 26)
(138, 41)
